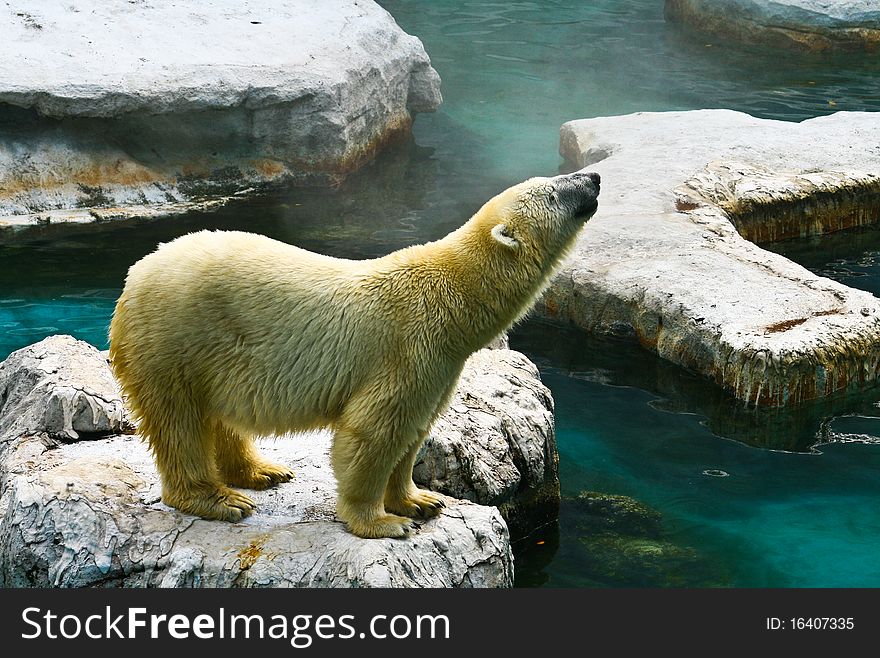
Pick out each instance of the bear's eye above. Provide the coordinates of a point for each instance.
(553, 198)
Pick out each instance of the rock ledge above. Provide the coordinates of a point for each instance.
(814, 25)
(80, 501)
(136, 108)
(662, 260)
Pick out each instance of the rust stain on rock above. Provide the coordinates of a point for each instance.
(684, 205)
(94, 175)
(785, 325)
(248, 556)
(267, 167)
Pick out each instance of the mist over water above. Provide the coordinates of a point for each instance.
(770, 498)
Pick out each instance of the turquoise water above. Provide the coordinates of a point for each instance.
(790, 512)
(778, 518)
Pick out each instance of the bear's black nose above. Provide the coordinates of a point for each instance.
(595, 178)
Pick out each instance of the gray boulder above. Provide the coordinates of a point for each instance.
(496, 445)
(84, 509)
(61, 387)
(135, 108)
(668, 258)
(815, 25)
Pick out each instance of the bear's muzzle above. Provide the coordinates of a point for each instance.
(581, 191)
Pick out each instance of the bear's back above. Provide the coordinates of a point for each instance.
(259, 324)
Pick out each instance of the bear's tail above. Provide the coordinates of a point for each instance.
(119, 361)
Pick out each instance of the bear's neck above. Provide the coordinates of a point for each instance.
(480, 291)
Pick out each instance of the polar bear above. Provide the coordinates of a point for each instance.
(220, 336)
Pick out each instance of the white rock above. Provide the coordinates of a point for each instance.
(108, 58)
(807, 24)
(88, 512)
(662, 259)
(61, 387)
(164, 103)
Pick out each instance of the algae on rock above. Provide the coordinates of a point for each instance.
(620, 542)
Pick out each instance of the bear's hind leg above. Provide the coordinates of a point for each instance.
(184, 456)
(402, 496)
(363, 464)
(240, 463)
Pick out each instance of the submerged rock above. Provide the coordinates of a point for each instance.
(600, 513)
(816, 25)
(134, 109)
(668, 258)
(621, 560)
(82, 507)
(620, 542)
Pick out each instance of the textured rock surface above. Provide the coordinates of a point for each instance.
(61, 387)
(132, 107)
(496, 445)
(816, 25)
(88, 512)
(662, 259)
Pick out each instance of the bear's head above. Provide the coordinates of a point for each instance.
(539, 219)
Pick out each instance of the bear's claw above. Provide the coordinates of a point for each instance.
(386, 525)
(421, 504)
(221, 504)
(263, 476)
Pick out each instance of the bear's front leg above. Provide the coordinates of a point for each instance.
(184, 455)
(241, 465)
(363, 463)
(404, 497)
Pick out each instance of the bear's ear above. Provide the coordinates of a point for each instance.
(501, 233)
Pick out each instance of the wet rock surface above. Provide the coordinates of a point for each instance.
(136, 109)
(663, 262)
(812, 25)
